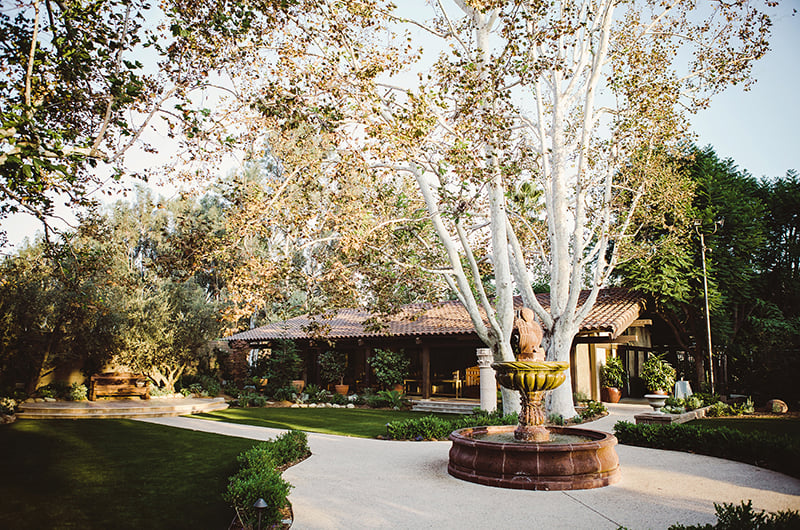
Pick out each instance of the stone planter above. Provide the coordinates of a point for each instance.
(656, 401)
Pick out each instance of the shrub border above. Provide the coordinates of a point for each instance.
(776, 452)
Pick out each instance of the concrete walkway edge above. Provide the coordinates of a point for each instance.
(365, 483)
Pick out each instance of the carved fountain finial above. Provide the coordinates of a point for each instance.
(531, 376)
(530, 335)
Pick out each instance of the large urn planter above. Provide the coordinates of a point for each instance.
(610, 394)
(298, 385)
(342, 389)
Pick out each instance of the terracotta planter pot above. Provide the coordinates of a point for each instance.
(610, 394)
(399, 388)
(342, 389)
(298, 385)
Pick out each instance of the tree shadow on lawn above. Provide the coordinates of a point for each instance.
(114, 474)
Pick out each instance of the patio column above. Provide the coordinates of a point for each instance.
(488, 382)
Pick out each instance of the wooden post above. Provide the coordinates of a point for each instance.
(426, 371)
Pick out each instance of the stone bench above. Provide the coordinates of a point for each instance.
(118, 385)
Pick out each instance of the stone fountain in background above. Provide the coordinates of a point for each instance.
(532, 455)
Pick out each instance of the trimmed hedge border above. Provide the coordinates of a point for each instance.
(436, 428)
(777, 452)
(260, 477)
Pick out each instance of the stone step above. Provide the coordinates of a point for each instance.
(118, 409)
(443, 407)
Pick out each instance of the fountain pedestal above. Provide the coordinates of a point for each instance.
(531, 379)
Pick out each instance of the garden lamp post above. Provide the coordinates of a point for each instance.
(698, 224)
(260, 505)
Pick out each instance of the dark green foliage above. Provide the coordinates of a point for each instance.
(260, 477)
(658, 374)
(395, 399)
(338, 399)
(777, 452)
(390, 367)
(744, 517)
(316, 394)
(753, 262)
(289, 447)
(593, 408)
(284, 366)
(438, 428)
(707, 398)
(248, 398)
(332, 366)
(251, 484)
(284, 393)
(613, 374)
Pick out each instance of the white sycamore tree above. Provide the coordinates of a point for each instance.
(539, 133)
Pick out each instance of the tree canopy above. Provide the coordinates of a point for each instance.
(752, 279)
(583, 102)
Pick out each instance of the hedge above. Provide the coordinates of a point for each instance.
(259, 477)
(771, 451)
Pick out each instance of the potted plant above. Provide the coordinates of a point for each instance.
(658, 375)
(390, 368)
(612, 378)
(332, 367)
(285, 367)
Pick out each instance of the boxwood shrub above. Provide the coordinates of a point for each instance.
(731, 517)
(260, 477)
(438, 428)
(771, 451)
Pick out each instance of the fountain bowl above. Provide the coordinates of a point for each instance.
(534, 466)
(530, 376)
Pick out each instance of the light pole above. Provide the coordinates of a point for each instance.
(697, 226)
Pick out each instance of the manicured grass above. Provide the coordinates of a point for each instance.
(364, 423)
(787, 426)
(114, 474)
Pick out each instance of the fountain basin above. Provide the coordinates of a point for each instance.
(530, 376)
(534, 466)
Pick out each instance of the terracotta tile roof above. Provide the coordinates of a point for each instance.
(613, 312)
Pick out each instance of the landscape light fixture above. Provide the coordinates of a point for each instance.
(698, 225)
(260, 505)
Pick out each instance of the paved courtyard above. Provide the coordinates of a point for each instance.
(359, 483)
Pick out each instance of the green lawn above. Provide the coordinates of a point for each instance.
(365, 423)
(780, 426)
(114, 474)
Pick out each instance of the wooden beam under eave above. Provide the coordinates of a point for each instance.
(622, 339)
(641, 323)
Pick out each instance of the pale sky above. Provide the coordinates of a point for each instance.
(758, 129)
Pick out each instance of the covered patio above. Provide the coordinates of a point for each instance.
(441, 343)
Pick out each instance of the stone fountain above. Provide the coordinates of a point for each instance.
(533, 455)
